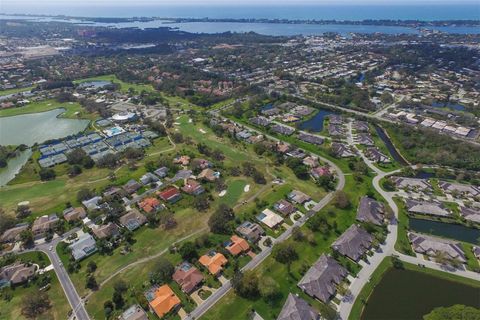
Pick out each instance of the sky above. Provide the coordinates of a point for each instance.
(100, 3)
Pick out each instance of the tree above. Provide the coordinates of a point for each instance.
(91, 267)
(74, 170)
(26, 236)
(76, 156)
(188, 251)
(201, 203)
(455, 312)
(108, 161)
(84, 194)
(220, 220)
(120, 286)
(341, 200)
(162, 271)
(34, 304)
(47, 174)
(23, 211)
(117, 299)
(91, 283)
(246, 284)
(285, 253)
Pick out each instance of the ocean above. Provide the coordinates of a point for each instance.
(337, 12)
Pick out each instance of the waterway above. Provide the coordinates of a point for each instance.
(449, 105)
(405, 294)
(391, 148)
(315, 124)
(95, 84)
(446, 230)
(33, 128)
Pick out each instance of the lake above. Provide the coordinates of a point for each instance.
(446, 230)
(391, 148)
(33, 128)
(404, 294)
(38, 127)
(95, 84)
(449, 105)
(315, 124)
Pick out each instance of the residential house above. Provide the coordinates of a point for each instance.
(281, 129)
(470, 214)
(462, 189)
(243, 135)
(283, 147)
(188, 277)
(322, 278)
(15, 274)
(132, 186)
(361, 126)
(335, 119)
(148, 178)
(161, 172)
(214, 262)
(73, 214)
(311, 161)
(260, 121)
(134, 312)
(201, 164)
(270, 218)
(132, 220)
(353, 243)
(208, 175)
(342, 150)
(310, 138)
(375, 155)
(250, 230)
(92, 204)
(371, 211)
(432, 208)
(284, 207)
(365, 139)
(411, 183)
(150, 204)
(295, 308)
(431, 246)
(183, 160)
(43, 224)
(83, 247)
(237, 245)
(13, 234)
(193, 187)
(162, 300)
(335, 130)
(298, 197)
(318, 172)
(182, 175)
(171, 195)
(109, 230)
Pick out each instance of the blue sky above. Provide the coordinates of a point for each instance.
(93, 3)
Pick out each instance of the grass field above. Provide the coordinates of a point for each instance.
(60, 306)
(14, 90)
(73, 109)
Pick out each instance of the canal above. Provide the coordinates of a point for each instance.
(446, 230)
(406, 294)
(391, 148)
(315, 124)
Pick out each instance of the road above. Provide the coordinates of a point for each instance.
(258, 259)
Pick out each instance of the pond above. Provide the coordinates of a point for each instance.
(33, 128)
(447, 230)
(38, 127)
(405, 294)
(315, 124)
(391, 148)
(449, 105)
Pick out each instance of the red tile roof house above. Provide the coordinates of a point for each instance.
(171, 195)
(193, 187)
(188, 277)
(150, 205)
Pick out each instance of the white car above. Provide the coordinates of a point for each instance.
(50, 248)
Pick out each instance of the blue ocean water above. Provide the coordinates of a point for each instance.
(425, 12)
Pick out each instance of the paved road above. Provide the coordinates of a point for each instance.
(258, 259)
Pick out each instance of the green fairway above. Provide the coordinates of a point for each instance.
(124, 86)
(14, 90)
(73, 110)
(234, 191)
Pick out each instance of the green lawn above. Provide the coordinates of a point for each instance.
(60, 306)
(124, 86)
(73, 109)
(403, 244)
(14, 90)
(234, 191)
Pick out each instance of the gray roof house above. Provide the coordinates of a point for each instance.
(353, 243)
(371, 211)
(161, 172)
(321, 279)
(464, 189)
(296, 308)
(83, 247)
(470, 214)
(148, 178)
(426, 207)
(13, 234)
(134, 312)
(132, 220)
(411, 183)
(432, 245)
(251, 231)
